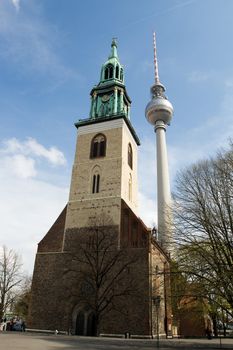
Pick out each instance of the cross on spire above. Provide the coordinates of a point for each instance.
(114, 41)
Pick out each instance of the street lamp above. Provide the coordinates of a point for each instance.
(156, 301)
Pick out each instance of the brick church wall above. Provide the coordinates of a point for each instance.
(53, 240)
(48, 298)
(55, 289)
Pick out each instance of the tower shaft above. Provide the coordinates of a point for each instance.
(159, 113)
(163, 186)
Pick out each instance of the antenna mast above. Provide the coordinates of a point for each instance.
(155, 62)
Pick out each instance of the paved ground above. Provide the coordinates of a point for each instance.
(29, 341)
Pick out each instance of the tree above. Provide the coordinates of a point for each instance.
(203, 226)
(178, 290)
(21, 304)
(98, 270)
(10, 278)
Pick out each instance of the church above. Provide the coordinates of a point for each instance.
(99, 270)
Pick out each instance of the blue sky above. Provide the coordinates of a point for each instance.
(51, 52)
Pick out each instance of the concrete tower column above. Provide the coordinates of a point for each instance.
(163, 186)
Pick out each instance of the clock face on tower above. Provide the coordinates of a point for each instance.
(105, 98)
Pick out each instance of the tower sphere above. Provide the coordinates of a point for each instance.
(159, 108)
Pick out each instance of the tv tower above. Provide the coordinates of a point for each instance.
(159, 113)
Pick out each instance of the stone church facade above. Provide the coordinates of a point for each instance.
(103, 199)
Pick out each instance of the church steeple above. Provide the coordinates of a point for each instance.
(109, 98)
(112, 69)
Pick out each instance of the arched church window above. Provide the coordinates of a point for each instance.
(96, 183)
(110, 72)
(106, 73)
(121, 75)
(118, 101)
(130, 156)
(98, 146)
(117, 72)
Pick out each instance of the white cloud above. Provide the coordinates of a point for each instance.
(33, 148)
(147, 209)
(28, 209)
(53, 155)
(16, 4)
(19, 165)
(28, 205)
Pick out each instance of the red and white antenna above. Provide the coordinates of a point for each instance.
(155, 62)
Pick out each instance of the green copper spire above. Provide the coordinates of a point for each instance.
(113, 53)
(112, 69)
(109, 98)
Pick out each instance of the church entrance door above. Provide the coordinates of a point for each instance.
(91, 323)
(79, 329)
(85, 323)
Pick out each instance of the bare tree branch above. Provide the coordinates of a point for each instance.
(10, 278)
(203, 226)
(100, 269)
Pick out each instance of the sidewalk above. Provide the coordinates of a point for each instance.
(32, 341)
(201, 343)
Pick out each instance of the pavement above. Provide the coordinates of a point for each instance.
(30, 341)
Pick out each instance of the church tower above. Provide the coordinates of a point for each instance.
(102, 205)
(105, 165)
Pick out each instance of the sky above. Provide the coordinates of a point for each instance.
(51, 52)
